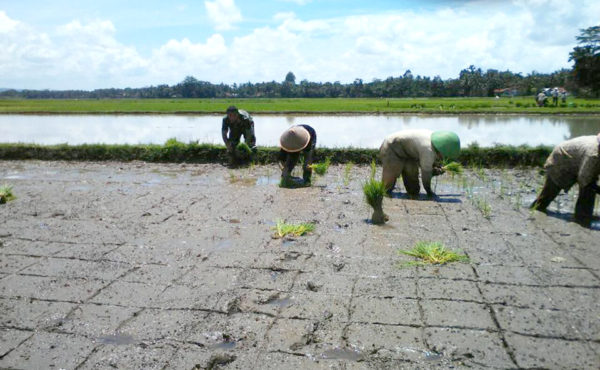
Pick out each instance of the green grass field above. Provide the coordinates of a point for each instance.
(524, 105)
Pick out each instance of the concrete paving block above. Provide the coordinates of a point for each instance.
(308, 337)
(457, 314)
(32, 248)
(323, 283)
(131, 295)
(95, 321)
(287, 361)
(50, 288)
(555, 275)
(387, 286)
(74, 268)
(533, 352)
(11, 264)
(11, 339)
(152, 274)
(190, 356)
(240, 331)
(315, 306)
(32, 314)
(155, 325)
(507, 274)
(449, 289)
(84, 251)
(454, 271)
(126, 355)
(565, 324)
(388, 341)
(389, 310)
(267, 279)
(473, 348)
(49, 350)
(184, 297)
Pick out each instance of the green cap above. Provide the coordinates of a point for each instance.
(447, 143)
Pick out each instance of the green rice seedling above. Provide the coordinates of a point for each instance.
(283, 229)
(433, 253)
(246, 180)
(289, 183)
(6, 194)
(503, 190)
(484, 207)
(322, 167)
(373, 169)
(243, 149)
(374, 192)
(347, 169)
(464, 183)
(518, 201)
(453, 168)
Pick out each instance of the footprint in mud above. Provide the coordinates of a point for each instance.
(313, 287)
(217, 360)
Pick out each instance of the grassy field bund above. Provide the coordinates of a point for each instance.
(178, 152)
(518, 105)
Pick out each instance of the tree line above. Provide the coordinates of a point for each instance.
(583, 79)
(471, 82)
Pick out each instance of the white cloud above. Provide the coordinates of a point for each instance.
(298, 2)
(223, 13)
(6, 24)
(177, 59)
(521, 36)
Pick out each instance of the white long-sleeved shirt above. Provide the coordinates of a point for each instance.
(575, 160)
(411, 145)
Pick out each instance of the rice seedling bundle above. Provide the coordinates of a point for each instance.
(283, 229)
(433, 253)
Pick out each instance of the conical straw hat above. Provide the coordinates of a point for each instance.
(294, 139)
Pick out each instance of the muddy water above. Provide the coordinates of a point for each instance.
(364, 131)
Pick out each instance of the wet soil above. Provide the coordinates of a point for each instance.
(159, 266)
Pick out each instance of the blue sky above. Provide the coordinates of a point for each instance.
(100, 44)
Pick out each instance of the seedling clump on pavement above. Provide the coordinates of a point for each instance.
(322, 167)
(6, 194)
(374, 192)
(433, 253)
(283, 229)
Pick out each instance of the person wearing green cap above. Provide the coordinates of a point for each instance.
(405, 152)
(573, 161)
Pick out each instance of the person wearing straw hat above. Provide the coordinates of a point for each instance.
(405, 152)
(573, 161)
(236, 123)
(296, 140)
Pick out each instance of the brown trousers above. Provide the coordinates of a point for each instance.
(584, 208)
(408, 169)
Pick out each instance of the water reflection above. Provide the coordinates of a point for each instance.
(366, 131)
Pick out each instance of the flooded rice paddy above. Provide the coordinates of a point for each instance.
(363, 131)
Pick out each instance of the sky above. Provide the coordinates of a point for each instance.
(88, 45)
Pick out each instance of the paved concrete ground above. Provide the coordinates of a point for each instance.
(168, 266)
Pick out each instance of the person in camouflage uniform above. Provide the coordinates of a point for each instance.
(236, 123)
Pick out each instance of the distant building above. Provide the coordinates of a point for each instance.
(508, 91)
